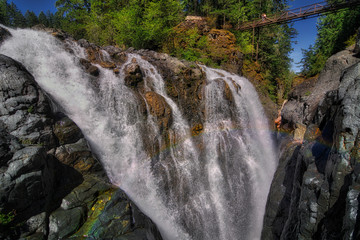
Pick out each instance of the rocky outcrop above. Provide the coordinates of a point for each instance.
(159, 108)
(315, 191)
(305, 98)
(219, 45)
(133, 74)
(184, 83)
(51, 185)
(357, 44)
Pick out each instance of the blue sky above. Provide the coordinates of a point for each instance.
(306, 33)
(35, 5)
(306, 28)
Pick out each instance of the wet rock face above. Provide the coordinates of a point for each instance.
(48, 176)
(318, 197)
(304, 100)
(159, 109)
(91, 69)
(26, 175)
(357, 44)
(133, 74)
(184, 83)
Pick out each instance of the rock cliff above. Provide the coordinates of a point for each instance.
(68, 194)
(315, 191)
(51, 185)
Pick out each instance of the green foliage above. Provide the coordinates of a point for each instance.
(6, 218)
(30, 109)
(3, 12)
(351, 40)
(287, 82)
(31, 18)
(335, 32)
(150, 23)
(43, 19)
(190, 45)
(135, 23)
(10, 15)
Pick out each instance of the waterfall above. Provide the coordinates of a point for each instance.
(217, 191)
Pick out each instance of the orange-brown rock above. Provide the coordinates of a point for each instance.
(107, 64)
(91, 54)
(159, 108)
(223, 47)
(184, 83)
(227, 91)
(191, 22)
(76, 155)
(197, 129)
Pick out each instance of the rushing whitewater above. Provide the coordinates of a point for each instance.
(217, 191)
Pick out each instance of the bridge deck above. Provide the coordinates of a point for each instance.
(298, 13)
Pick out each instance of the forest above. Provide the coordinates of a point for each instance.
(151, 24)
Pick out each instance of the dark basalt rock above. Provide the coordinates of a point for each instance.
(357, 44)
(91, 69)
(66, 131)
(318, 197)
(4, 34)
(304, 99)
(48, 176)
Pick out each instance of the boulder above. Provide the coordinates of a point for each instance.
(26, 183)
(83, 43)
(91, 69)
(184, 83)
(64, 223)
(77, 155)
(133, 74)
(112, 50)
(66, 131)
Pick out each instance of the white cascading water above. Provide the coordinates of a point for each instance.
(215, 192)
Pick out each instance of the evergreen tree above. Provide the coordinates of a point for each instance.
(76, 15)
(4, 18)
(43, 19)
(50, 18)
(15, 17)
(57, 20)
(31, 18)
(333, 31)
